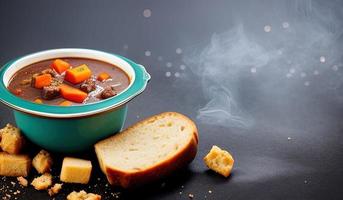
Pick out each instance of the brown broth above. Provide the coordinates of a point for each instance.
(118, 77)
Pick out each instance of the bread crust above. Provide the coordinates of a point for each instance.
(128, 179)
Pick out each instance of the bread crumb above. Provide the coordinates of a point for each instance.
(42, 162)
(210, 191)
(163, 185)
(83, 195)
(191, 196)
(11, 139)
(55, 189)
(16, 192)
(116, 195)
(219, 161)
(42, 182)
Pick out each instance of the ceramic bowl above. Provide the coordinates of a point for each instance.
(73, 128)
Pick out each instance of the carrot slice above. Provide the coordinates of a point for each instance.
(38, 100)
(103, 76)
(72, 94)
(65, 103)
(60, 66)
(41, 81)
(78, 74)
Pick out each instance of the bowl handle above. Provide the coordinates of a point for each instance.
(146, 75)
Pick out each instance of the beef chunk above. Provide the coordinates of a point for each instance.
(50, 71)
(88, 85)
(50, 92)
(108, 92)
(56, 82)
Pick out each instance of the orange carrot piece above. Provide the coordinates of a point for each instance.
(78, 74)
(65, 103)
(60, 66)
(103, 76)
(42, 80)
(38, 100)
(72, 94)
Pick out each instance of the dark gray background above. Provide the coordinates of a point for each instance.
(264, 96)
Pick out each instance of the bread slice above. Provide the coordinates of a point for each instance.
(148, 150)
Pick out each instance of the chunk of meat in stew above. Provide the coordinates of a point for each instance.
(88, 85)
(108, 92)
(50, 92)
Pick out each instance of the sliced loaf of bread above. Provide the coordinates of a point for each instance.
(148, 150)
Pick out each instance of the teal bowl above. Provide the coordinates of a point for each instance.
(75, 128)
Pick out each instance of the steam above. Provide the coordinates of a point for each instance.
(276, 167)
(291, 47)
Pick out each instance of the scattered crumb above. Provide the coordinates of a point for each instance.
(191, 196)
(116, 194)
(55, 189)
(42, 182)
(16, 192)
(82, 195)
(210, 191)
(22, 181)
(163, 185)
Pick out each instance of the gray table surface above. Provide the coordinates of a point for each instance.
(262, 79)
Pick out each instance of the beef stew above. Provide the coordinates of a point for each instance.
(68, 81)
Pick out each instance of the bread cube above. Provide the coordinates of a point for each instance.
(76, 170)
(14, 165)
(11, 139)
(219, 161)
(42, 162)
(42, 182)
(82, 195)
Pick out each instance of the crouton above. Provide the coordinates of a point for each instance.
(55, 189)
(42, 182)
(76, 170)
(11, 139)
(42, 162)
(219, 161)
(14, 165)
(82, 195)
